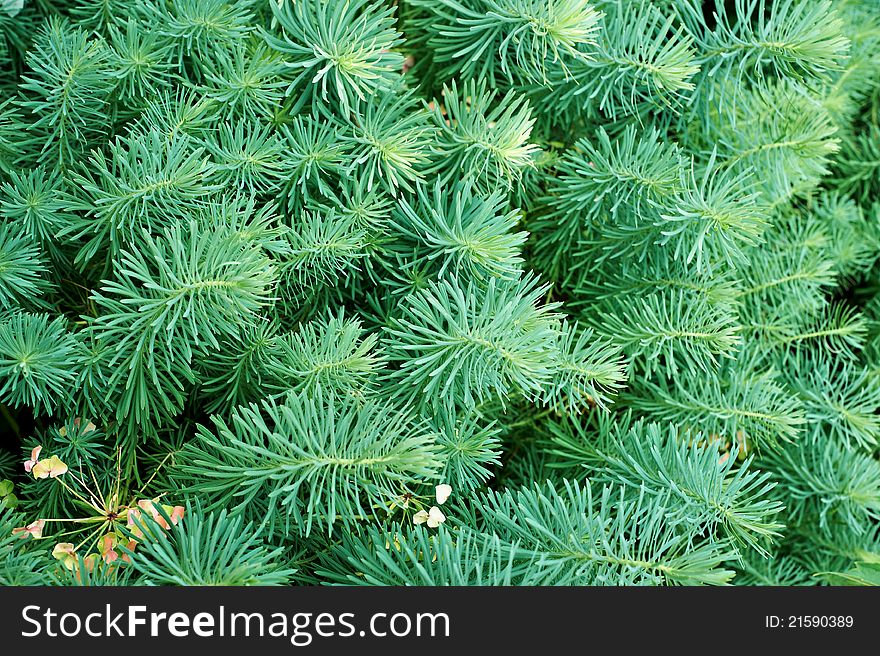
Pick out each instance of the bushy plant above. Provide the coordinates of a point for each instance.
(469, 292)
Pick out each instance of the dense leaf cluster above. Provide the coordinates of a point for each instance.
(608, 268)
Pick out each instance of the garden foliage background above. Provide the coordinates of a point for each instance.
(439, 292)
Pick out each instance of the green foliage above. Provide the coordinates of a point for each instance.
(187, 287)
(473, 344)
(69, 90)
(18, 566)
(245, 82)
(607, 269)
(22, 272)
(145, 181)
(794, 40)
(467, 234)
(484, 144)
(332, 353)
(643, 60)
(605, 539)
(389, 141)
(469, 448)
(78, 444)
(413, 556)
(503, 40)
(140, 61)
(36, 361)
(828, 485)
(33, 201)
(339, 51)
(313, 460)
(857, 167)
(194, 26)
(863, 574)
(710, 487)
(212, 549)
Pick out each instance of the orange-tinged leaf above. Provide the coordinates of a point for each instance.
(35, 456)
(34, 528)
(49, 468)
